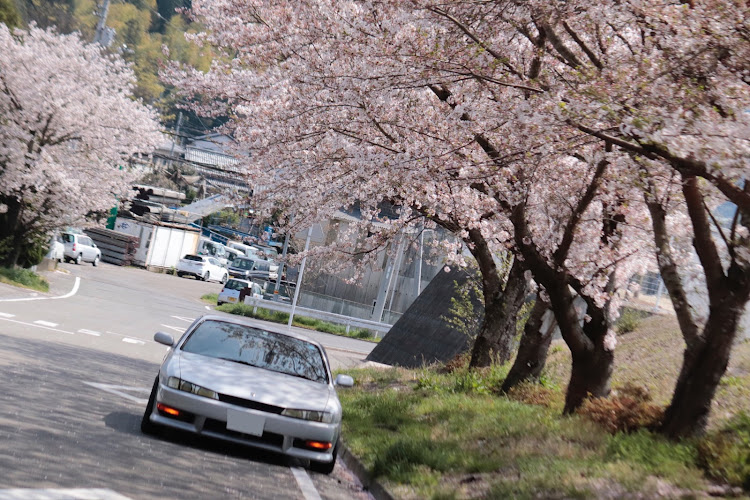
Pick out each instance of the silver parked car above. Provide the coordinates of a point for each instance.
(235, 290)
(229, 380)
(80, 248)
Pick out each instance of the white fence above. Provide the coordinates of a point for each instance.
(379, 328)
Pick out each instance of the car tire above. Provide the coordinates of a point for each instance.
(224, 278)
(325, 467)
(96, 261)
(219, 303)
(207, 276)
(180, 275)
(79, 259)
(147, 426)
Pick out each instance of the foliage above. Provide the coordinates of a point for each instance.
(68, 120)
(32, 252)
(628, 410)
(420, 436)
(9, 14)
(462, 315)
(23, 277)
(725, 454)
(629, 320)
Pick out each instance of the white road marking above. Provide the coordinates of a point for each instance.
(117, 390)
(183, 318)
(6, 315)
(61, 494)
(45, 323)
(72, 292)
(305, 483)
(207, 307)
(133, 341)
(175, 328)
(37, 326)
(90, 332)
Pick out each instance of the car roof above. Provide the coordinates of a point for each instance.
(241, 281)
(270, 328)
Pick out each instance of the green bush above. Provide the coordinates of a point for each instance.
(24, 277)
(725, 454)
(629, 320)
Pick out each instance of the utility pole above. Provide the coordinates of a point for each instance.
(103, 36)
(176, 135)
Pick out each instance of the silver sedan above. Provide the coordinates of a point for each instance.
(269, 389)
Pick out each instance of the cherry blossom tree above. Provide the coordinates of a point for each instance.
(535, 128)
(68, 126)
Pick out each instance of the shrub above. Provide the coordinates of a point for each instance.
(533, 394)
(725, 454)
(628, 410)
(24, 277)
(628, 321)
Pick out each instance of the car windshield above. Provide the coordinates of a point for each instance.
(236, 285)
(252, 346)
(244, 264)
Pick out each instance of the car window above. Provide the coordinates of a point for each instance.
(68, 238)
(252, 346)
(244, 264)
(213, 261)
(196, 258)
(85, 241)
(236, 285)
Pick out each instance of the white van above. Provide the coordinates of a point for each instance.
(247, 250)
(212, 249)
(232, 253)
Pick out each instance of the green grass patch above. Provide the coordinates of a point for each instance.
(24, 278)
(211, 298)
(425, 433)
(283, 318)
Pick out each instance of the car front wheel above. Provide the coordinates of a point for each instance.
(207, 276)
(147, 426)
(79, 258)
(224, 278)
(96, 261)
(325, 467)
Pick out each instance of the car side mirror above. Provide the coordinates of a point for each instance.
(343, 380)
(166, 339)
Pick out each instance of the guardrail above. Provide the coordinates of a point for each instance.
(379, 328)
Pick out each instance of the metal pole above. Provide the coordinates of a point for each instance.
(101, 25)
(418, 279)
(299, 278)
(281, 266)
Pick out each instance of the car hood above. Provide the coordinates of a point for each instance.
(256, 384)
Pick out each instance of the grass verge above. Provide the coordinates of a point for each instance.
(23, 277)
(429, 434)
(283, 318)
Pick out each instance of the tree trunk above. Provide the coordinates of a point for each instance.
(9, 232)
(494, 343)
(703, 366)
(532, 351)
(590, 376)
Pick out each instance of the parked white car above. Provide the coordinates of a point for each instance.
(202, 267)
(235, 291)
(80, 248)
(56, 249)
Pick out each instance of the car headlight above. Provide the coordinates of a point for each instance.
(184, 385)
(315, 416)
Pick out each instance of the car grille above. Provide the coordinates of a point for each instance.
(269, 438)
(253, 405)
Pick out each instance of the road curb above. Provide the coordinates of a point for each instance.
(377, 490)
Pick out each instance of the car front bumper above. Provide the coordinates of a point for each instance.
(280, 434)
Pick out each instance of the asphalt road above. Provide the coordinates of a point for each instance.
(76, 367)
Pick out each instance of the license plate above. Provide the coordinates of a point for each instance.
(232, 299)
(242, 421)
